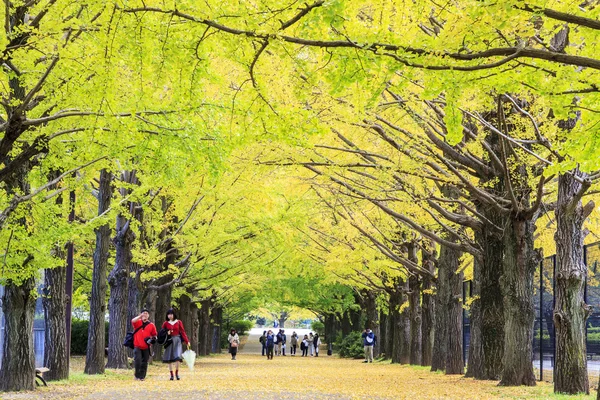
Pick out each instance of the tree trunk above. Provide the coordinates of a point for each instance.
(427, 310)
(163, 303)
(414, 300)
(55, 342)
(383, 318)
(491, 300)
(440, 343)
(330, 328)
(373, 319)
(204, 336)
(454, 351)
(520, 261)
(18, 360)
(94, 360)
(346, 324)
(475, 361)
(405, 323)
(395, 324)
(217, 318)
(118, 301)
(571, 311)
(193, 328)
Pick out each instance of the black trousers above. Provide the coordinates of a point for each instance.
(140, 362)
(270, 352)
(293, 350)
(305, 352)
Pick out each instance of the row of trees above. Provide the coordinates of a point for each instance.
(421, 161)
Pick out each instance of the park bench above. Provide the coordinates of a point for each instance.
(39, 376)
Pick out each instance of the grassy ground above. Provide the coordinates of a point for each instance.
(252, 376)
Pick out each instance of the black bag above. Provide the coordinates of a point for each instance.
(163, 336)
(128, 342)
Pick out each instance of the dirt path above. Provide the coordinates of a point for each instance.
(252, 376)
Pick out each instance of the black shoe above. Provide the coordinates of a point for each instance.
(365, 361)
(171, 377)
(178, 378)
(371, 361)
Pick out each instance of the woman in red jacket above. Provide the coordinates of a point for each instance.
(172, 354)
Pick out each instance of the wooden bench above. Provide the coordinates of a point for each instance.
(39, 376)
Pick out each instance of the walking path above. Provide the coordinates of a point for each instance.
(252, 376)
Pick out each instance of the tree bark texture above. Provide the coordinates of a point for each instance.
(18, 360)
(440, 343)
(405, 323)
(94, 360)
(217, 318)
(571, 311)
(395, 324)
(414, 300)
(55, 335)
(454, 351)
(163, 303)
(427, 310)
(520, 261)
(118, 301)
(204, 335)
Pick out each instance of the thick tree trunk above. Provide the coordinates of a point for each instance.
(454, 351)
(94, 360)
(427, 310)
(118, 301)
(346, 324)
(571, 311)
(491, 300)
(330, 328)
(414, 300)
(440, 343)
(53, 300)
(205, 337)
(194, 327)
(372, 322)
(383, 317)
(217, 318)
(395, 324)
(405, 323)
(520, 261)
(18, 360)
(475, 361)
(163, 303)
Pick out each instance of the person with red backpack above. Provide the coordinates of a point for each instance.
(176, 333)
(144, 335)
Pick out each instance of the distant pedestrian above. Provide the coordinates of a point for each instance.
(279, 343)
(263, 341)
(270, 344)
(293, 343)
(310, 343)
(176, 332)
(369, 340)
(234, 342)
(304, 346)
(144, 335)
(283, 342)
(316, 344)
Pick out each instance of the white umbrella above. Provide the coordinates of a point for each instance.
(190, 357)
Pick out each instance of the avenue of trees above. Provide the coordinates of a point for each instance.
(357, 159)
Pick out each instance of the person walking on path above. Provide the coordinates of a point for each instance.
(173, 351)
(283, 342)
(279, 339)
(293, 343)
(304, 346)
(144, 335)
(263, 341)
(234, 342)
(270, 340)
(316, 344)
(369, 340)
(311, 338)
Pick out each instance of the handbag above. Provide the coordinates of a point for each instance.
(128, 342)
(234, 344)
